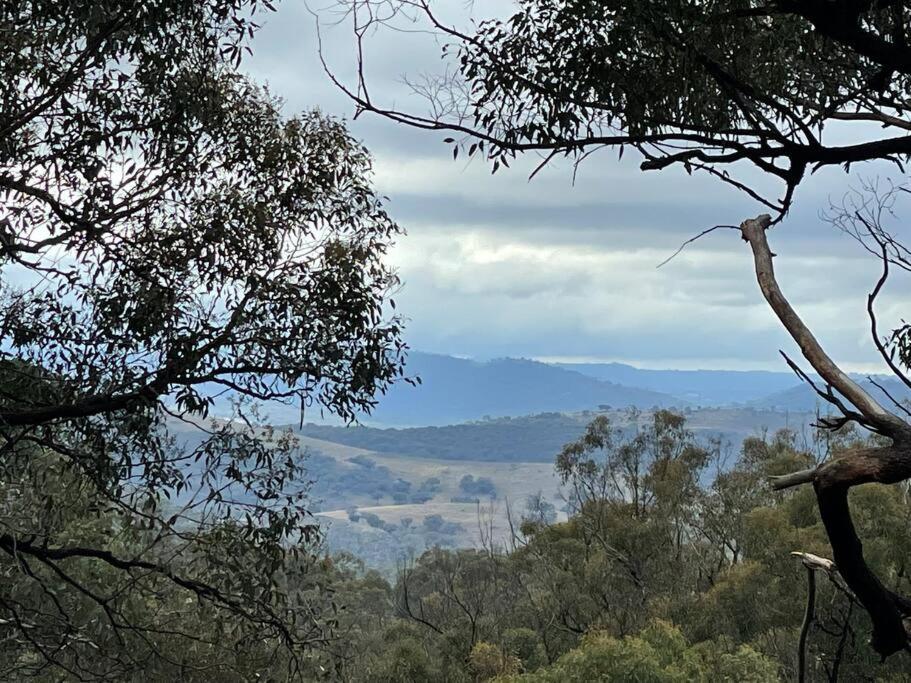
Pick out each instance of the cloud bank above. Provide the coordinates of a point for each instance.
(561, 269)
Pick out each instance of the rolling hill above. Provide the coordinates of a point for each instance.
(456, 390)
(538, 438)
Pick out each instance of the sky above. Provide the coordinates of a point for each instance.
(552, 269)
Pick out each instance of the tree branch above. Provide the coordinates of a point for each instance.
(808, 618)
(833, 479)
(753, 231)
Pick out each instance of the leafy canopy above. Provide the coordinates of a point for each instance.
(700, 84)
(168, 235)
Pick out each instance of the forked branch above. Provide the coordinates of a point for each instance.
(832, 479)
(753, 232)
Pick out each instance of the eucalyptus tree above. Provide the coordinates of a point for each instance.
(776, 85)
(168, 234)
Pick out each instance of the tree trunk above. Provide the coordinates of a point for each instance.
(833, 479)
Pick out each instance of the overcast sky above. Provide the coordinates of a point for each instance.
(499, 266)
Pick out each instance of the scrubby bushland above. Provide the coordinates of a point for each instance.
(659, 574)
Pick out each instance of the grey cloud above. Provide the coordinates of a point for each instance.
(496, 266)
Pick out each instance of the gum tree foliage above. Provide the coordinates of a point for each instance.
(698, 84)
(660, 653)
(707, 86)
(166, 234)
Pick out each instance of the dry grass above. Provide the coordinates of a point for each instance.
(514, 481)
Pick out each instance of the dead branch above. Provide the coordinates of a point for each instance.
(808, 618)
(832, 479)
(753, 232)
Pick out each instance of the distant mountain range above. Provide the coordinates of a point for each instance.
(725, 388)
(455, 390)
(802, 397)
(700, 387)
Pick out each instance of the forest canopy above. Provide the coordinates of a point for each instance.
(168, 233)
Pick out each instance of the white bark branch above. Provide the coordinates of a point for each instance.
(816, 563)
(753, 231)
(786, 481)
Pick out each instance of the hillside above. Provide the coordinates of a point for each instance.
(384, 507)
(533, 438)
(538, 438)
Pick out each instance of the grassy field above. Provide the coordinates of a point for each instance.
(514, 482)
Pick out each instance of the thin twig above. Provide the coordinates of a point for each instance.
(693, 239)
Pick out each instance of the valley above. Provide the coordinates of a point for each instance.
(385, 495)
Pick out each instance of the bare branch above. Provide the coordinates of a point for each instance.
(829, 396)
(808, 618)
(753, 232)
(785, 481)
(874, 332)
(693, 239)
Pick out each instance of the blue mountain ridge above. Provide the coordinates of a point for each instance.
(455, 390)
